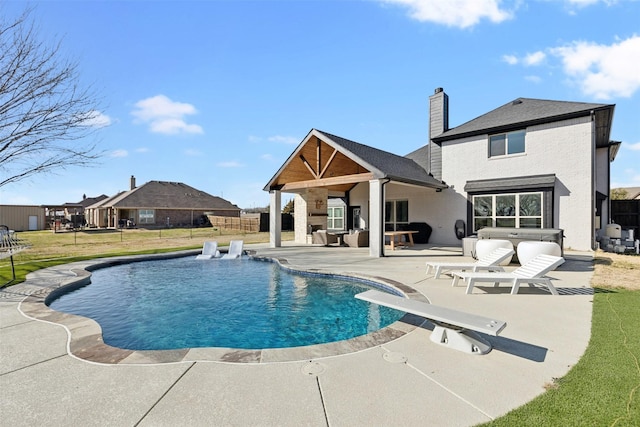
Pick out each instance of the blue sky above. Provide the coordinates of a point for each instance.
(217, 94)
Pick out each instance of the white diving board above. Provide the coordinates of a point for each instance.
(453, 328)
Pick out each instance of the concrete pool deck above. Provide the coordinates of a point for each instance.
(404, 380)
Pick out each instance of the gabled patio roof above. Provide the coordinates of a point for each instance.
(338, 164)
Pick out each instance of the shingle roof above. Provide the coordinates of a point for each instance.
(519, 113)
(384, 164)
(170, 195)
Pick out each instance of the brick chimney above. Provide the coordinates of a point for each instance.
(132, 182)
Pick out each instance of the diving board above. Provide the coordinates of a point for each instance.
(452, 328)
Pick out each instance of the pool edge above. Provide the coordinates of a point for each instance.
(84, 335)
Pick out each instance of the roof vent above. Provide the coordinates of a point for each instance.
(517, 101)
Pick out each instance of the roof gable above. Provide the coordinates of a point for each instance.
(326, 160)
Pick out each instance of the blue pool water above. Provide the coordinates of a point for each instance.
(248, 304)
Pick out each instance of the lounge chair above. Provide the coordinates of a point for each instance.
(235, 250)
(490, 262)
(209, 250)
(532, 272)
(357, 239)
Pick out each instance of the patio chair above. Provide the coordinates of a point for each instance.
(532, 272)
(235, 250)
(489, 262)
(323, 237)
(357, 239)
(209, 250)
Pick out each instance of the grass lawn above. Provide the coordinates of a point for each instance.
(602, 389)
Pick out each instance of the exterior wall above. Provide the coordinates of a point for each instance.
(16, 217)
(561, 148)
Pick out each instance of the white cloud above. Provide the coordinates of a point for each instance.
(533, 79)
(634, 147)
(165, 116)
(95, 119)
(283, 139)
(268, 157)
(253, 138)
(119, 153)
(230, 164)
(534, 58)
(454, 13)
(142, 150)
(603, 71)
(192, 152)
(510, 59)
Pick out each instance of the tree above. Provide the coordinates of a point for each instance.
(289, 207)
(618, 194)
(46, 116)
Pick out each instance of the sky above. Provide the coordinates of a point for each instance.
(217, 94)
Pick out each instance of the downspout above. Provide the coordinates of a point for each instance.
(382, 223)
(593, 181)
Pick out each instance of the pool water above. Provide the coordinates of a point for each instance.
(247, 304)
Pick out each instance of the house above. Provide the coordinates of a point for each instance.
(158, 203)
(530, 163)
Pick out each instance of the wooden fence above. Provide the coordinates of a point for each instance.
(244, 224)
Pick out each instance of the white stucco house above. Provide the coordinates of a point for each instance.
(530, 163)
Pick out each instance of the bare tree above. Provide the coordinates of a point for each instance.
(45, 115)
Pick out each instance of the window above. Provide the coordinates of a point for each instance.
(523, 210)
(506, 143)
(147, 216)
(396, 212)
(335, 220)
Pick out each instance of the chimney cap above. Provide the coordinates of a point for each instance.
(438, 90)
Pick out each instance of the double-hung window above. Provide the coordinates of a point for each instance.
(147, 216)
(520, 210)
(335, 219)
(505, 144)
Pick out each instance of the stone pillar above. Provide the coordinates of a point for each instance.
(376, 218)
(275, 219)
(310, 210)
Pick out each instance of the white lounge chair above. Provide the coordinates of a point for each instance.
(235, 250)
(209, 250)
(490, 262)
(532, 272)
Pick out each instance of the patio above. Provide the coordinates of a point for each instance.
(402, 381)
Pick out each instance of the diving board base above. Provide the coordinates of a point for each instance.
(461, 340)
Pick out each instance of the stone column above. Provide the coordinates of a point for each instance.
(376, 218)
(275, 219)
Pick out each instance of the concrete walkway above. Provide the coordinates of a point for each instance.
(403, 379)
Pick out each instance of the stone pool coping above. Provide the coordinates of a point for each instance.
(84, 335)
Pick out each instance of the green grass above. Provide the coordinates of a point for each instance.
(603, 389)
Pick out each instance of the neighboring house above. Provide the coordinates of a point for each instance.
(158, 203)
(529, 163)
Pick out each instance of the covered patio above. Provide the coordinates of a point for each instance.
(324, 166)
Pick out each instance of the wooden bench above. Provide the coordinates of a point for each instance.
(452, 328)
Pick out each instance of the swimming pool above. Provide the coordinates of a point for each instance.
(246, 304)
